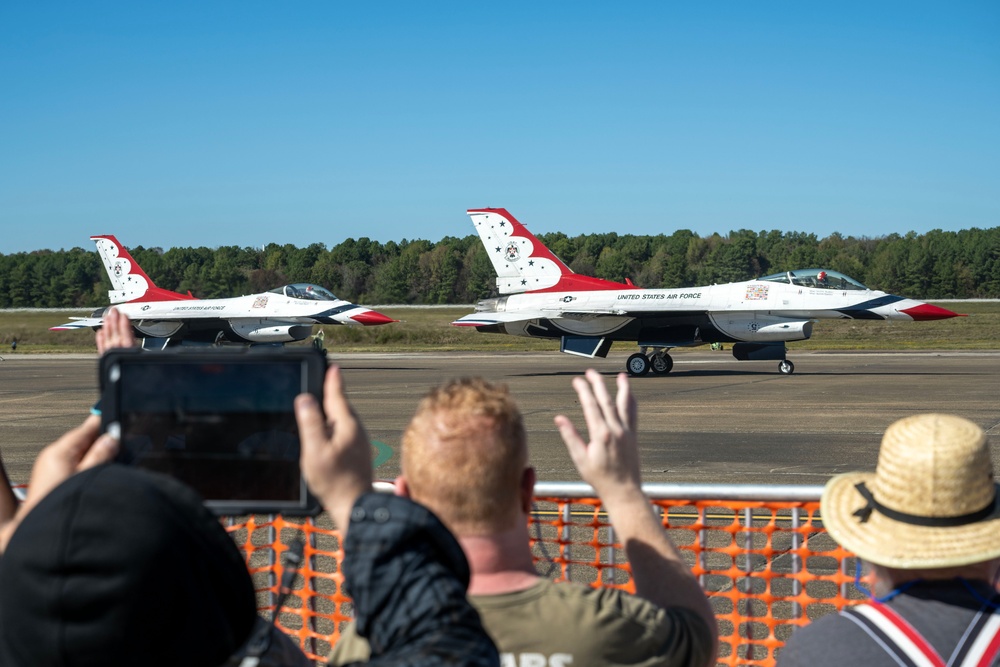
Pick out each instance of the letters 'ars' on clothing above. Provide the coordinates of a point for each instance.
(561, 624)
(941, 611)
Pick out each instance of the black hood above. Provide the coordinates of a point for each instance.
(118, 566)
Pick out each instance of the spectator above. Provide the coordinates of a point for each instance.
(464, 455)
(120, 566)
(405, 571)
(928, 522)
(109, 565)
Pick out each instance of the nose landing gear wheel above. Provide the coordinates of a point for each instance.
(637, 365)
(661, 363)
(786, 367)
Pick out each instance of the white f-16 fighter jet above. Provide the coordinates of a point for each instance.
(542, 297)
(161, 317)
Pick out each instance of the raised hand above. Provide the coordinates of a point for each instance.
(336, 458)
(115, 332)
(610, 461)
(79, 449)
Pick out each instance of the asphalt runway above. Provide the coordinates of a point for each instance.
(712, 420)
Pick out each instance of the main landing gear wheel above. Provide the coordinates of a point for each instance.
(661, 363)
(786, 367)
(637, 365)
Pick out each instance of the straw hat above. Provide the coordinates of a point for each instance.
(931, 502)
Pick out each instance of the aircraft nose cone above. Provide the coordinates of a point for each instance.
(926, 311)
(371, 318)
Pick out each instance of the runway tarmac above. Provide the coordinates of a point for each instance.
(712, 420)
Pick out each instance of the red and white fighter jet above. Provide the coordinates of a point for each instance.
(281, 315)
(542, 297)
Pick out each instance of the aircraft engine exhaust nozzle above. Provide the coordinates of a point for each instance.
(371, 318)
(926, 312)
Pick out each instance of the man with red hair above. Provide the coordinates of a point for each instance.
(465, 457)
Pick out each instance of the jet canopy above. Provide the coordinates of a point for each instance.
(817, 279)
(306, 291)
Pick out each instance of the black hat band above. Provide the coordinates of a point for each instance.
(915, 519)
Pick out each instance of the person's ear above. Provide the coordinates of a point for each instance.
(402, 488)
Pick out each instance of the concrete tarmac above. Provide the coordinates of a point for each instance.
(711, 420)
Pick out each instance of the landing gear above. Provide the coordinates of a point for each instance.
(637, 364)
(661, 362)
(785, 367)
(641, 362)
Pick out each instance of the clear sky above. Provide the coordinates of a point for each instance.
(243, 123)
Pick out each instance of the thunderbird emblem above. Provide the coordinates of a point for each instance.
(513, 253)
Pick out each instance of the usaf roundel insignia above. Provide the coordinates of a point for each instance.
(513, 253)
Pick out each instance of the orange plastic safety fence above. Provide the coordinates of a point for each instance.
(766, 566)
(317, 606)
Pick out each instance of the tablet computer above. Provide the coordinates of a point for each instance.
(220, 420)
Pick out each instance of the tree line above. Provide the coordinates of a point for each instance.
(935, 265)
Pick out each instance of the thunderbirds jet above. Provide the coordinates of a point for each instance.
(542, 297)
(281, 315)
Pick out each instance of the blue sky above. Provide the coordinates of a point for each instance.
(245, 123)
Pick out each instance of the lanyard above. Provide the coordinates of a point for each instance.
(978, 647)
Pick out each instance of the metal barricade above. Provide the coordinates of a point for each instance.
(760, 553)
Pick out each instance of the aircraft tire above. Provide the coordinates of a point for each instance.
(661, 363)
(785, 367)
(637, 365)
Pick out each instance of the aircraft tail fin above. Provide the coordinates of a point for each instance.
(523, 263)
(128, 281)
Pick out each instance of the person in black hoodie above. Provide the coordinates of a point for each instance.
(109, 565)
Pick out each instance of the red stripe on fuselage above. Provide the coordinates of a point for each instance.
(160, 294)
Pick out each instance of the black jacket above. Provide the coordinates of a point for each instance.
(408, 578)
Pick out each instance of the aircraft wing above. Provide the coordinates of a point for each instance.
(585, 314)
(79, 323)
(486, 319)
(483, 319)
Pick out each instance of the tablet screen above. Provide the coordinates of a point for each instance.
(225, 427)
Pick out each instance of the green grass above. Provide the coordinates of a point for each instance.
(429, 329)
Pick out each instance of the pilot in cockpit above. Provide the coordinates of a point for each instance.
(821, 279)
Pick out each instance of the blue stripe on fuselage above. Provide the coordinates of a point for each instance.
(861, 311)
(326, 317)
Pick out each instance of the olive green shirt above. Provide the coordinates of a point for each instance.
(562, 624)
